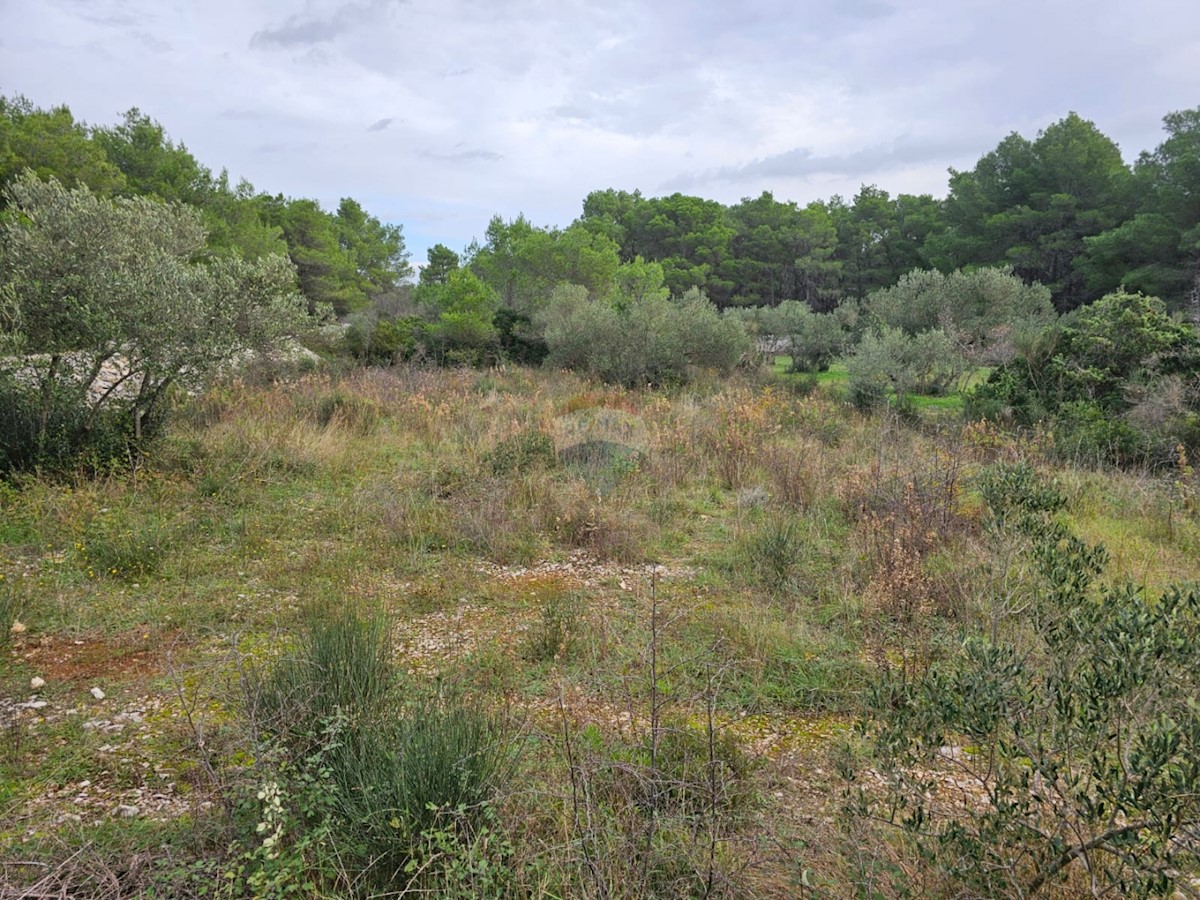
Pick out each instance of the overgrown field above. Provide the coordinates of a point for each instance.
(519, 633)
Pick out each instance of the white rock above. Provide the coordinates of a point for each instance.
(97, 693)
(36, 683)
(17, 628)
(127, 812)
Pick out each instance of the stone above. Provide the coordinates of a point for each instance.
(97, 693)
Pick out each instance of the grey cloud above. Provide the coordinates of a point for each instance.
(463, 156)
(279, 147)
(570, 112)
(150, 42)
(382, 124)
(308, 30)
(801, 162)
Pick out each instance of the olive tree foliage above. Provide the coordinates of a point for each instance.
(813, 340)
(639, 339)
(986, 313)
(1067, 740)
(889, 362)
(119, 287)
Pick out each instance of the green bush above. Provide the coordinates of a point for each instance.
(74, 438)
(523, 452)
(115, 547)
(389, 785)
(782, 555)
(637, 341)
(1079, 734)
(1116, 383)
(341, 662)
(399, 777)
(889, 362)
(556, 632)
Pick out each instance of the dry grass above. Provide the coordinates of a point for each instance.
(803, 544)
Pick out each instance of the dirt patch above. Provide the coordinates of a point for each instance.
(130, 655)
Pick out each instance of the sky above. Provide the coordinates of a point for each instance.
(438, 115)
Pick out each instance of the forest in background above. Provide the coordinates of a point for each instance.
(1063, 209)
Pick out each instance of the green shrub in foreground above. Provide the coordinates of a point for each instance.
(389, 787)
(1079, 744)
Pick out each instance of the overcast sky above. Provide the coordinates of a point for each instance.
(437, 115)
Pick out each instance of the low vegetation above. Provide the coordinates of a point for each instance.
(394, 631)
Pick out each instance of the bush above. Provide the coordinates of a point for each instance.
(555, 634)
(640, 340)
(522, 453)
(1080, 738)
(783, 555)
(984, 311)
(1116, 383)
(401, 776)
(389, 786)
(115, 548)
(70, 438)
(342, 662)
(889, 362)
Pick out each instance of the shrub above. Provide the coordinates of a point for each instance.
(1116, 382)
(399, 777)
(95, 281)
(390, 786)
(640, 340)
(556, 632)
(524, 452)
(114, 547)
(887, 361)
(1080, 738)
(55, 433)
(783, 555)
(342, 662)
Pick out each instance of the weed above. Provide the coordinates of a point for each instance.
(113, 547)
(555, 633)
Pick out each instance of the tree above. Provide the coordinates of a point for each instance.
(1158, 250)
(888, 361)
(441, 262)
(151, 162)
(781, 252)
(984, 312)
(464, 330)
(1031, 204)
(327, 274)
(376, 251)
(1118, 380)
(237, 221)
(52, 144)
(814, 340)
(92, 282)
(649, 339)
(524, 263)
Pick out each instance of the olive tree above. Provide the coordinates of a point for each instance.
(1065, 736)
(985, 312)
(107, 303)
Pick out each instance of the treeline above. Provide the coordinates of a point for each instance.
(343, 258)
(1062, 209)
